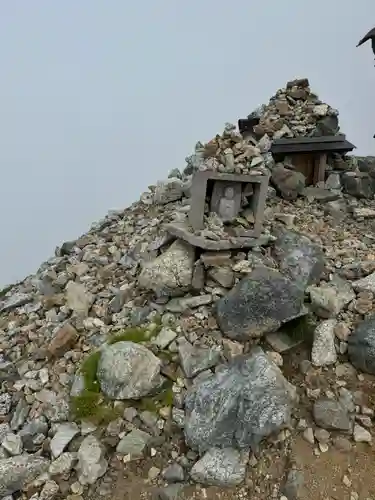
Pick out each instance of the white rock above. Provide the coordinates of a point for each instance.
(12, 443)
(91, 462)
(171, 272)
(128, 370)
(63, 464)
(324, 351)
(365, 284)
(165, 337)
(64, 434)
(361, 435)
(78, 299)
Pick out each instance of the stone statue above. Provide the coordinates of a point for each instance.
(227, 205)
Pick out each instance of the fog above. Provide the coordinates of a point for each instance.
(100, 99)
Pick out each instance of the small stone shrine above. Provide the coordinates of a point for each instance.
(226, 211)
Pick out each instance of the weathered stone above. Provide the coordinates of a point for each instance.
(361, 346)
(254, 400)
(63, 465)
(12, 444)
(174, 473)
(165, 337)
(357, 185)
(324, 351)
(78, 299)
(134, 444)
(128, 371)
(171, 272)
(91, 462)
(16, 472)
(64, 340)
(64, 434)
(180, 305)
(330, 414)
(14, 301)
(298, 257)
(366, 284)
(258, 304)
(361, 435)
(168, 191)
(292, 488)
(216, 259)
(289, 183)
(328, 300)
(20, 414)
(5, 404)
(182, 231)
(196, 359)
(220, 467)
(224, 276)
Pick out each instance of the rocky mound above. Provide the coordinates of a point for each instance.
(131, 351)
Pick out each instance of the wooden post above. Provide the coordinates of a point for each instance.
(320, 168)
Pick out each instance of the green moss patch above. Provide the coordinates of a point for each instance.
(135, 334)
(89, 370)
(92, 406)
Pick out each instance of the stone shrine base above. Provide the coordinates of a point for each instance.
(183, 231)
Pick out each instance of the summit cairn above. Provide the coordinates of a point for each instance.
(209, 340)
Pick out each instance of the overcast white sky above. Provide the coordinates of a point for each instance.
(99, 98)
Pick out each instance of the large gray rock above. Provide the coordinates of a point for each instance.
(167, 191)
(17, 472)
(298, 257)
(258, 304)
(220, 467)
(127, 370)
(361, 346)
(358, 184)
(332, 414)
(289, 183)
(171, 273)
(243, 402)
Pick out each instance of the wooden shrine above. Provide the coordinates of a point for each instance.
(308, 155)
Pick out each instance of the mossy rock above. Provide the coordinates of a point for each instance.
(91, 404)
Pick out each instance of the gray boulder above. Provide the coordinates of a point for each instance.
(243, 402)
(127, 370)
(361, 346)
(298, 257)
(220, 467)
(17, 472)
(358, 184)
(167, 191)
(171, 273)
(258, 304)
(289, 183)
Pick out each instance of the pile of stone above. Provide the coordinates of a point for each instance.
(133, 348)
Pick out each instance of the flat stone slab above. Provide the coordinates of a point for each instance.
(183, 232)
(282, 342)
